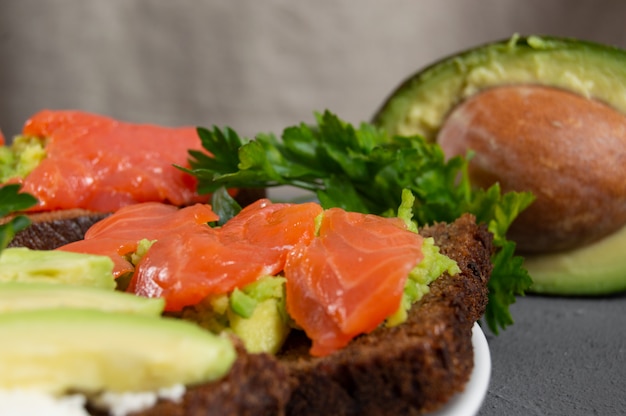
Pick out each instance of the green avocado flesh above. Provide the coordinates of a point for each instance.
(21, 264)
(255, 314)
(21, 157)
(19, 296)
(264, 331)
(596, 269)
(421, 103)
(64, 350)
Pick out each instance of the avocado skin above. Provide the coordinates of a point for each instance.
(419, 105)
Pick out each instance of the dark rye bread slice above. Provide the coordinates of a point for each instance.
(53, 229)
(406, 370)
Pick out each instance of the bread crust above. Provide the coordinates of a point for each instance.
(53, 229)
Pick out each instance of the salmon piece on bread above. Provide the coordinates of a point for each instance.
(411, 368)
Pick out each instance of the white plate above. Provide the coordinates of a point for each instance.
(468, 402)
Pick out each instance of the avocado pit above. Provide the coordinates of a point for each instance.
(568, 150)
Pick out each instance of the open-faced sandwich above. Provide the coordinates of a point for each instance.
(331, 311)
(361, 303)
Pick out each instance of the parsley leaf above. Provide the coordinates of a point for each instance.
(224, 205)
(365, 170)
(11, 200)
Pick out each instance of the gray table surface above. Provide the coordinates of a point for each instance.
(562, 356)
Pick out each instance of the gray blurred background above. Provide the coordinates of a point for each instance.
(253, 65)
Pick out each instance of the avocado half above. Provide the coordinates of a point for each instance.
(420, 105)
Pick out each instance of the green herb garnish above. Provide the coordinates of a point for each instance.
(365, 170)
(11, 200)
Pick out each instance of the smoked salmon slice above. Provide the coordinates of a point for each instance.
(118, 235)
(185, 267)
(350, 278)
(151, 220)
(191, 260)
(102, 164)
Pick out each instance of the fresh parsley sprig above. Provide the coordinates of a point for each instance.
(11, 200)
(365, 170)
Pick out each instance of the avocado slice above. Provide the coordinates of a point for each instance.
(21, 264)
(18, 296)
(421, 104)
(89, 351)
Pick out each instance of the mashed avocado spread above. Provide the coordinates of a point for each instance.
(21, 157)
